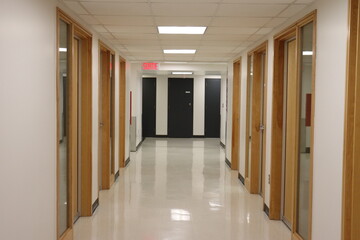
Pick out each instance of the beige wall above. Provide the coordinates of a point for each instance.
(329, 114)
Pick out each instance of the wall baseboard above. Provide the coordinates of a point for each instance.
(266, 209)
(127, 161)
(221, 144)
(228, 162)
(198, 136)
(241, 178)
(117, 174)
(95, 206)
(161, 136)
(139, 145)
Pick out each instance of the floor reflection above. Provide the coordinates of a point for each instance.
(179, 189)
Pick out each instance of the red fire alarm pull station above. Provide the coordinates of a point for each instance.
(150, 66)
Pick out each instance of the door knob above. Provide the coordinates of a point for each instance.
(189, 104)
(101, 124)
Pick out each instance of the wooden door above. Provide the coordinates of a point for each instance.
(256, 112)
(105, 123)
(290, 133)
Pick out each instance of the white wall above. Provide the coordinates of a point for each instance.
(223, 108)
(28, 119)
(199, 106)
(229, 112)
(161, 105)
(136, 88)
(329, 114)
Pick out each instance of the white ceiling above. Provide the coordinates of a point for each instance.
(131, 25)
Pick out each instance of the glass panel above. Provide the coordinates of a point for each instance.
(64, 127)
(305, 130)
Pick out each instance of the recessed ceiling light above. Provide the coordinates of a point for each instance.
(182, 73)
(180, 51)
(307, 53)
(62, 49)
(181, 30)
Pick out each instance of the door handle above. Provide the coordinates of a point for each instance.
(101, 124)
(189, 104)
(262, 127)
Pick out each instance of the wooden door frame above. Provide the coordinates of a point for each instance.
(235, 134)
(351, 165)
(277, 122)
(252, 183)
(76, 30)
(122, 112)
(106, 167)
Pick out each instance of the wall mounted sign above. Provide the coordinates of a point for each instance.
(150, 66)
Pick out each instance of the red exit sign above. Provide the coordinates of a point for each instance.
(150, 66)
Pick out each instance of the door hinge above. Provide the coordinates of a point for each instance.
(269, 179)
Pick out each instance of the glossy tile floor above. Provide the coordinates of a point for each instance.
(179, 189)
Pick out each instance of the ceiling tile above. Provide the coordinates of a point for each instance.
(212, 54)
(180, 43)
(256, 37)
(90, 19)
(117, 8)
(135, 49)
(178, 57)
(157, 54)
(131, 29)
(220, 43)
(250, 10)
(122, 36)
(76, 7)
(211, 59)
(230, 30)
(292, 10)
(264, 31)
(219, 37)
(216, 48)
(184, 9)
(142, 58)
(239, 21)
(182, 21)
(126, 20)
(107, 35)
(99, 28)
(239, 49)
(275, 22)
(140, 42)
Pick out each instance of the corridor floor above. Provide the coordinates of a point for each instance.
(179, 189)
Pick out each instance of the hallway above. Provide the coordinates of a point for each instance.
(179, 189)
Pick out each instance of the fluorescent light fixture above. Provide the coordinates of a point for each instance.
(181, 30)
(180, 51)
(307, 53)
(213, 76)
(62, 49)
(175, 62)
(182, 73)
